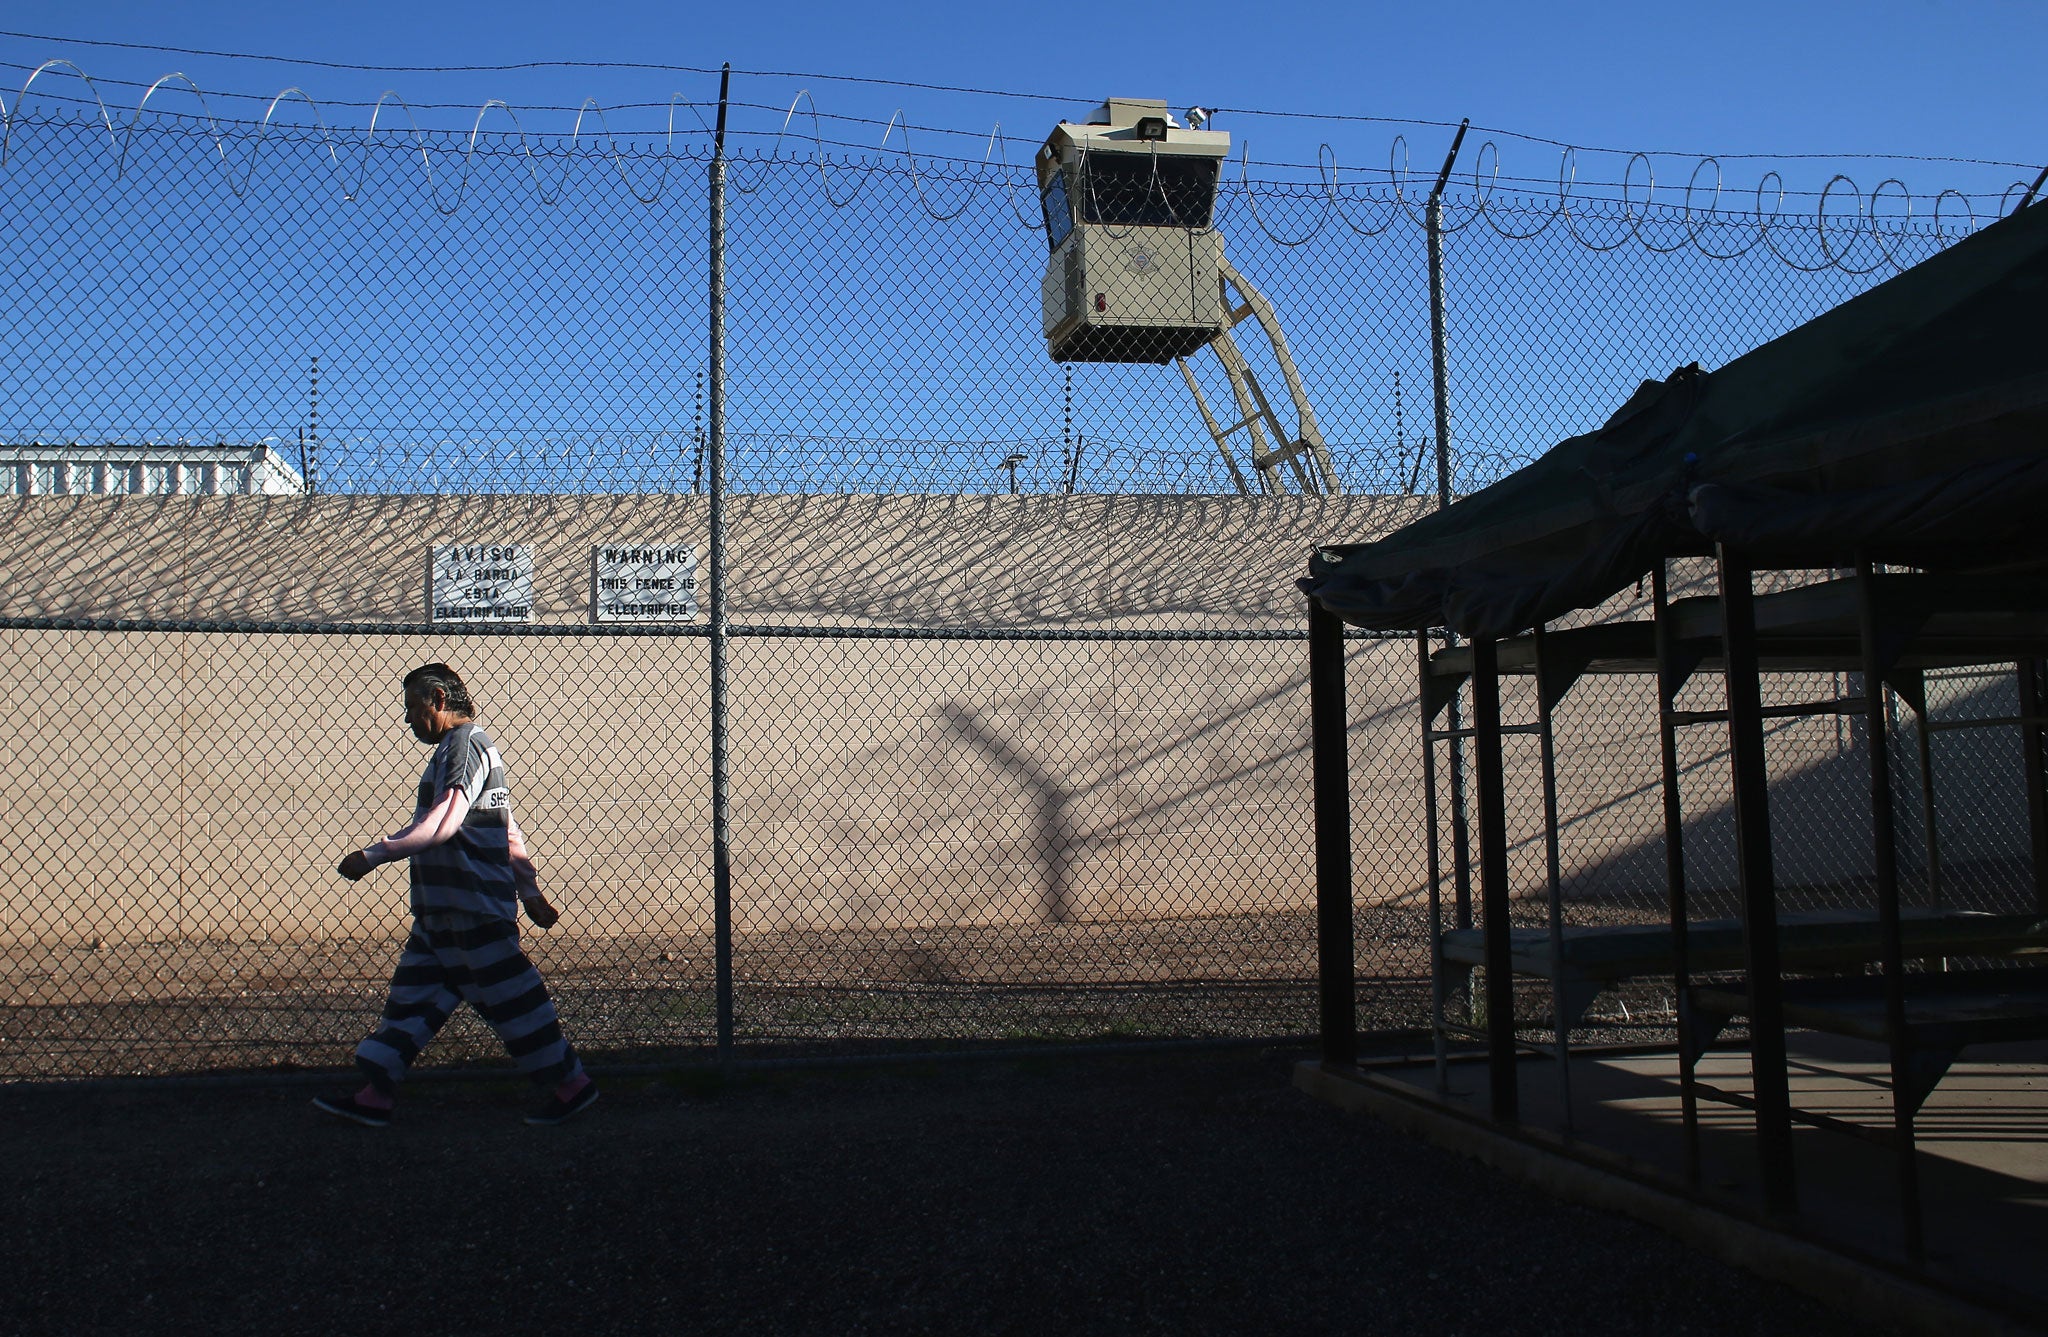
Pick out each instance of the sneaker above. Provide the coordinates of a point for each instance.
(346, 1107)
(558, 1110)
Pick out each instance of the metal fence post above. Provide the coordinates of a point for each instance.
(1433, 225)
(1433, 220)
(721, 778)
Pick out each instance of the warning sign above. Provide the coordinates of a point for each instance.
(480, 582)
(643, 582)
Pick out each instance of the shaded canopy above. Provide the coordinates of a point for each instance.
(1910, 423)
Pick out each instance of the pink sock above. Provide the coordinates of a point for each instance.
(567, 1090)
(371, 1098)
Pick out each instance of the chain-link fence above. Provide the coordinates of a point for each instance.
(938, 836)
(445, 313)
(1002, 769)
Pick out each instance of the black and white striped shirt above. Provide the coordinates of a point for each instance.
(471, 872)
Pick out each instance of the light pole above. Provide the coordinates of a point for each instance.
(1011, 462)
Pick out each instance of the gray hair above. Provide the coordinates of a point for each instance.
(428, 677)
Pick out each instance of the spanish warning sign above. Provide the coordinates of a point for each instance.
(480, 582)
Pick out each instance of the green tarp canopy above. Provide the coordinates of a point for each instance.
(1909, 424)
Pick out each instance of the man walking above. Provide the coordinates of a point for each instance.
(470, 873)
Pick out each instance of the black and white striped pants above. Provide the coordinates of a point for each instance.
(452, 958)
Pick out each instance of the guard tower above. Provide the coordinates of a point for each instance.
(1128, 197)
(1137, 274)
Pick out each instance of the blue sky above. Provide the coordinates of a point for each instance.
(1914, 77)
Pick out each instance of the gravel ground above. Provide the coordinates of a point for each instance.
(1183, 1192)
(198, 1005)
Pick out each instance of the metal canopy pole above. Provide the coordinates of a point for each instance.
(1330, 743)
(721, 777)
(1884, 850)
(2034, 754)
(1670, 680)
(1930, 813)
(1433, 853)
(1768, 1078)
(1553, 879)
(1493, 879)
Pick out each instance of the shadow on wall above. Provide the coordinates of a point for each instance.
(1052, 836)
(901, 560)
(1124, 781)
(1820, 825)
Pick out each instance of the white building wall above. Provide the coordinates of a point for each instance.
(77, 470)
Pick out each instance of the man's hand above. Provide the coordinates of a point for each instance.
(540, 912)
(355, 867)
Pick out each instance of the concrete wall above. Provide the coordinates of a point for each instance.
(180, 784)
(886, 560)
(163, 784)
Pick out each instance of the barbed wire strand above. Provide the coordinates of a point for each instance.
(1322, 166)
(921, 86)
(1328, 175)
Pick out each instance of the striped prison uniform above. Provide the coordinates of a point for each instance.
(451, 958)
(464, 943)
